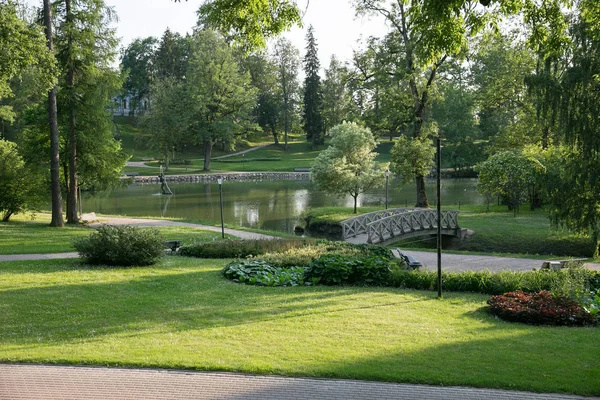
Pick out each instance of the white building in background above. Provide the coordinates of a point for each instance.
(122, 106)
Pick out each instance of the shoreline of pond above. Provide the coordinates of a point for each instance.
(226, 176)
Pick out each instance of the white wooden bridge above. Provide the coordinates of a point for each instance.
(387, 226)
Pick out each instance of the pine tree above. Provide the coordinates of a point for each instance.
(287, 59)
(313, 98)
(85, 47)
(171, 56)
(56, 195)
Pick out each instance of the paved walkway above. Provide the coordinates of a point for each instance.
(136, 222)
(44, 382)
(142, 164)
(450, 262)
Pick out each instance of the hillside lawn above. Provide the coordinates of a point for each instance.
(183, 314)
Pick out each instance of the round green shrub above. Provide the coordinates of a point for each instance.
(122, 246)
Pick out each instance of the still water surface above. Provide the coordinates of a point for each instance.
(275, 205)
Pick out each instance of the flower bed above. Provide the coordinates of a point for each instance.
(540, 308)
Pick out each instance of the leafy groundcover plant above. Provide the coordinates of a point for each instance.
(323, 262)
(540, 308)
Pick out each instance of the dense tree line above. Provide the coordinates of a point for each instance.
(525, 98)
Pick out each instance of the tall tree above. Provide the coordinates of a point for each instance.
(56, 195)
(423, 36)
(313, 96)
(85, 48)
(335, 94)
(222, 96)
(167, 122)
(263, 74)
(574, 193)
(287, 60)
(171, 56)
(139, 62)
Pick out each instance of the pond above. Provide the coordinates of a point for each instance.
(275, 205)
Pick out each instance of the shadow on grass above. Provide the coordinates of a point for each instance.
(172, 299)
(519, 357)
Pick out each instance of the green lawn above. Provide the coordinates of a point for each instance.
(136, 146)
(22, 236)
(183, 314)
(272, 158)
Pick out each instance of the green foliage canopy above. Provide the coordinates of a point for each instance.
(19, 187)
(21, 46)
(412, 157)
(508, 174)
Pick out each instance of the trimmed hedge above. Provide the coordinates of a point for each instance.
(495, 283)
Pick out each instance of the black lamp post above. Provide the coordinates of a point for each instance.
(220, 182)
(387, 177)
(439, 216)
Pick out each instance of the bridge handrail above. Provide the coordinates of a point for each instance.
(358, 225)
(418, 219)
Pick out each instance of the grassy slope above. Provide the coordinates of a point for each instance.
(183, 314)
(129, 132)
(298, 154)
(20, 236)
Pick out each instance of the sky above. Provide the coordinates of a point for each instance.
(335, 26)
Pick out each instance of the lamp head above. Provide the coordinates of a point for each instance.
(220, 181)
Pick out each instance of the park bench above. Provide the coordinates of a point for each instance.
(556, 265)
(173, 245)
(412, 262)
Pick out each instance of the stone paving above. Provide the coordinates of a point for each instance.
(44, 382)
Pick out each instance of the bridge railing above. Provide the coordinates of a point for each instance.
(359, 225)
(407, 222)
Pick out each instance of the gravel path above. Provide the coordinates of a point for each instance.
(142, 164)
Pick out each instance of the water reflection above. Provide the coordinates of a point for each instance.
(265, 205)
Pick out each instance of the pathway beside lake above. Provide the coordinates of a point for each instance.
(450, 262)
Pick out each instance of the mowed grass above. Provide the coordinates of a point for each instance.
(24, 236)
(275, 158)
(183, 314)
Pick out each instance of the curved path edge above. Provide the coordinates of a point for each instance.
(49, 382)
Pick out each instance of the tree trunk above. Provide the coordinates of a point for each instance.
(422, 200)
(57, 214)
(72, 217)
(275, 135)
(166, 158)
(355, 201)
(285, 146)
(207, 153)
